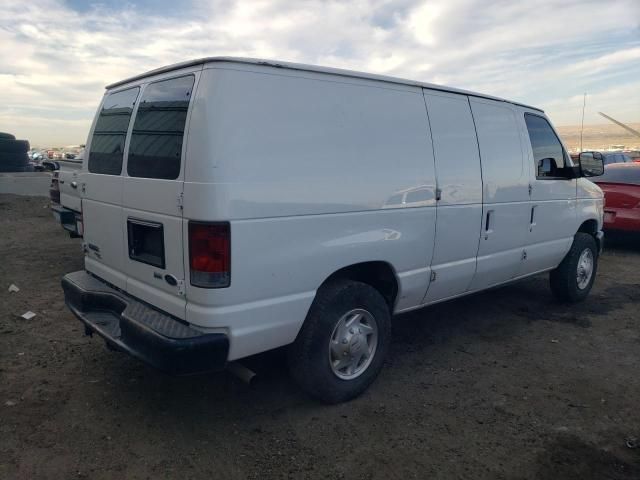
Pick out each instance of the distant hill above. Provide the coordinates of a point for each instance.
(599, 137)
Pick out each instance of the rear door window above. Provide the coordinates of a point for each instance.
(155, 148)
(107, 143)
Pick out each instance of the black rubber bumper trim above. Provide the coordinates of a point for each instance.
(67, 219)
(154, 337)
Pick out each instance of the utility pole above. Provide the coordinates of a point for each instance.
(584, 102)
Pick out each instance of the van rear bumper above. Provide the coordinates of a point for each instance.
(68, 219)
(129, 325)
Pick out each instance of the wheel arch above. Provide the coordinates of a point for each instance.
(589, 226)
(378, 274)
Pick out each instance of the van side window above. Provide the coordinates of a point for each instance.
(107, 143)
(156, 141)
(545, 144)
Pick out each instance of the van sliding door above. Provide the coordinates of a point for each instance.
(459, 182)
(505, 214)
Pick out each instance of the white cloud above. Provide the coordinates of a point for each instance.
(55, 61)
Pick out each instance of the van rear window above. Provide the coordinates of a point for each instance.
(107, 143)
(156, 141)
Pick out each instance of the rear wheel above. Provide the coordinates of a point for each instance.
(572, 280)
(341, 347)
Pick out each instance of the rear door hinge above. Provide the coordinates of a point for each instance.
(181, 201)
(181, 290)
(530, 189)
(433, 276)
(524, 255)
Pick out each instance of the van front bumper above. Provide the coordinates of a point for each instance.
(131, 326)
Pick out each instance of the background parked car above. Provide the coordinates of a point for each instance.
(65, 197)
(609, 157)
(615, 157)
(621, 186)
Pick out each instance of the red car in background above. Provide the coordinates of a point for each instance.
(621, 186)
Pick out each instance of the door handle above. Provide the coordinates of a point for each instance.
(487, 224)
(532, 218)
(74, 184)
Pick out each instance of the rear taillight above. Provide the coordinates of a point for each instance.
(210, 254)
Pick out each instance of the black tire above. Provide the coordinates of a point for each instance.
(564, 281)
(8, 145)
(308, 356)
(15, 168)
(7, 136)
(13, 157)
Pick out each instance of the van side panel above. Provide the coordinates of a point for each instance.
(280, 145)
(278, 263)
(315, 174)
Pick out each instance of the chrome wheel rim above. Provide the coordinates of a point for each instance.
(353, 344)
(585, 269)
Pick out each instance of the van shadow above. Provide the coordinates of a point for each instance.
(624, 242)
(495, 316)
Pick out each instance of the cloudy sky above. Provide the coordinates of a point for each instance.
(56, 55)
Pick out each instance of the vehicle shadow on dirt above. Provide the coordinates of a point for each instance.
(622, 242)
(480, 334)
(491, 316)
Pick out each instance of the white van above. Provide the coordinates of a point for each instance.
(232, 206)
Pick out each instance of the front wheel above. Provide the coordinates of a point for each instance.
(341, 347)
(572, 280)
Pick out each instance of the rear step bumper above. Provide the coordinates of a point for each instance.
(131, 326)
(68, 219)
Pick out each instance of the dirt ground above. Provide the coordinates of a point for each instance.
(506, 384)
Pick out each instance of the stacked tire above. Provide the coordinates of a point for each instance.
(13, 154)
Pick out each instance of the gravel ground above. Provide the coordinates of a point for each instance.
(506, 384)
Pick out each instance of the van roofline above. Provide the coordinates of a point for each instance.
(312, 68)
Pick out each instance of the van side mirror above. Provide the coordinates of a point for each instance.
(591, 164)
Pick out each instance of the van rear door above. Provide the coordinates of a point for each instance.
(152, 195)
(101, 187)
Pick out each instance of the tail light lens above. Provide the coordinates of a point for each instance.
(210, 254)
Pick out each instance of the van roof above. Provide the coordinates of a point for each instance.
(310, 68)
